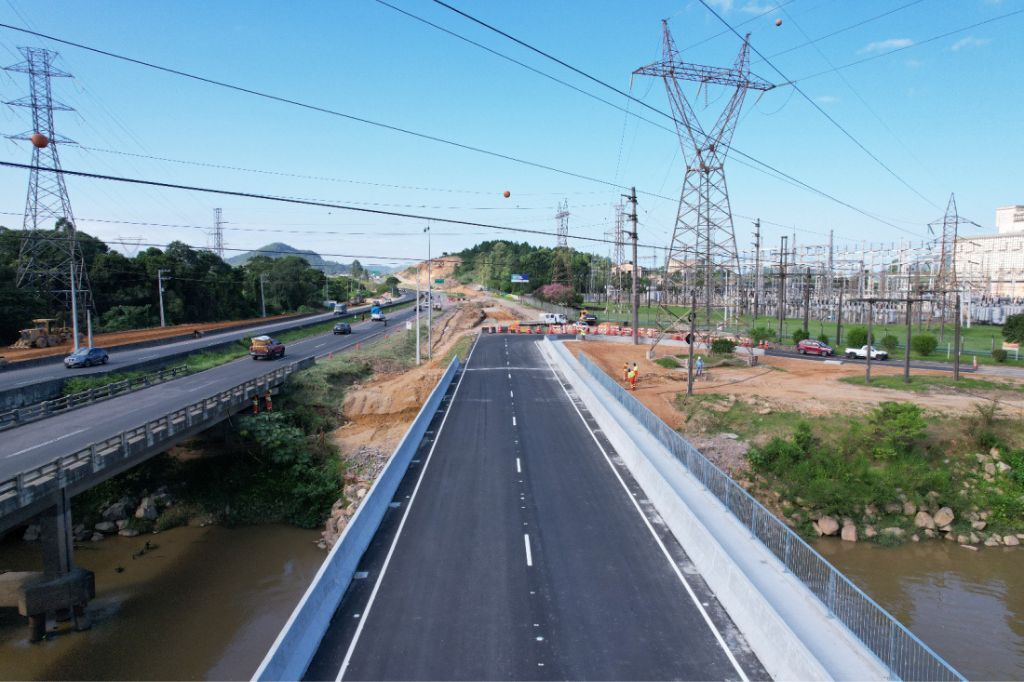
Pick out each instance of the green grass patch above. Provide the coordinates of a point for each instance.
(461, 349)
(668, 362)
(923, 383)
(88, 382)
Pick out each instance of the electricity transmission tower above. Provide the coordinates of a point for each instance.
(703, 246)
(50, 257)
(945, 281)
(563, 224)
(218, 233)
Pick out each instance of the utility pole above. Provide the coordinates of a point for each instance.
(757, 270)
(636, 280)
(839, 320)
(418, 303)
(74, 309)
(807, 301)
(218, 233)
(867, 360)
(430, 296)
(782, 286)
(910, 326)
(692, 317)
(160, 292)
(956, 339)
(263, 298)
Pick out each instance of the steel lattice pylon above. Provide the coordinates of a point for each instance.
(45, 262)
(703, 247)
(563, 224)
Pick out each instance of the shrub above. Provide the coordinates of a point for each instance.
(890, 343)
(557, 293)
(898, 428)
(857, 337)
(667, 362)
(799, 335)
(999, 355)
(759, 334)
(823, 338)
(1013, 328)
(723, 346)
(924, 344)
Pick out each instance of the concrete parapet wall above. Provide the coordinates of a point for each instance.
(298, 641)
(785, 624)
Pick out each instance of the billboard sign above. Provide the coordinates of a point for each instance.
(520, 279)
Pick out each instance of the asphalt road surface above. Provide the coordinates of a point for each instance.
(914, 364)
(12, 377)
(26, 447)
(519, 547)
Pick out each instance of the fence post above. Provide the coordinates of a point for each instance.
(94, 458)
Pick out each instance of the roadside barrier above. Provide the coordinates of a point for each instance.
(47, 408)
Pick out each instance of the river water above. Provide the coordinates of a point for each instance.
(206, 604)
(968, 606)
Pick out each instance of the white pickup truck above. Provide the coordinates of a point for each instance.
(862, 353)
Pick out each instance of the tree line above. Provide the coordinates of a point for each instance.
(492, 264)
(198, 286)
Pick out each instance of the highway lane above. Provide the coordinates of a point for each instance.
(914, 364)
(120, 360)
(525, 552)
(37, 443)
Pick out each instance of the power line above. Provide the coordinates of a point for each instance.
(780, 174)
(820, 110)
(302, 202)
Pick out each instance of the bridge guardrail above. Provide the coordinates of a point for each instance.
(299, 639)
(40, 481)
(46, 408)
(897, 647)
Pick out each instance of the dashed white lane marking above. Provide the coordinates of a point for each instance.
(529, 554)
(200, 386)
(510, 394)
(519, 466)
(320, 345)
(510, 375)
(513, 421)
(39, 445)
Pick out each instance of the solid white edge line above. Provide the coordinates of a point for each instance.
(664, 549)
(394, 543)
(529, 554)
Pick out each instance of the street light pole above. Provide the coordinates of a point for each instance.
(263, 298)
(74, 308)
(160, 292)
(430, 297)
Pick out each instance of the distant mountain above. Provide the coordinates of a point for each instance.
(279, 250)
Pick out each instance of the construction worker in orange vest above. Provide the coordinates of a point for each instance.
(625, 372)
(632, 378)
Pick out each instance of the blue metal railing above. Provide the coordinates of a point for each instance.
(906, 656)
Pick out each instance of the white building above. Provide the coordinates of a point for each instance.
(993, 265)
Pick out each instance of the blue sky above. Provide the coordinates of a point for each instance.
(944, 115)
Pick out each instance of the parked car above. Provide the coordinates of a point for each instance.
(343, 328)
(86, 357)
(862, 353)
(266, 348)
(812, 347)
(589, 319)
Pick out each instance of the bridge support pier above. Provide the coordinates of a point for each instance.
(61, 588)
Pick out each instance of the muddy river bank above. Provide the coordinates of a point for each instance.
(207, 603)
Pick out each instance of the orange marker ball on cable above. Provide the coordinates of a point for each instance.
(506, 194)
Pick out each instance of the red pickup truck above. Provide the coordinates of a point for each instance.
(266, 348)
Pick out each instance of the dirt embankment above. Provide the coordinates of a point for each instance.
(379, 411)
(115, 339)
(776, 384)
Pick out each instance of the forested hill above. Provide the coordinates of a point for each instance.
(492, 264)
(279, 250)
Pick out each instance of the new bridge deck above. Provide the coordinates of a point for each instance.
(519, 547)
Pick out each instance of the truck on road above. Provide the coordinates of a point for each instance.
(340, 309)
(554, 318)
(377, 315)
(862, 353)
(266, 348)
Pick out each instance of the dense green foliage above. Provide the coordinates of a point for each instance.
(857, 337)
(823, 338)
(924, 344)
(890, 343)
(198, 286)
(999, 355)
(872, 462)
(492, 264)
(759, 334)
(799, 335)
(723, 346)
(1013, 328)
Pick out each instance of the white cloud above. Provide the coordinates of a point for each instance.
(826, 99)
(759, 8)
(969, 41)
(723, 5)
(886, 45)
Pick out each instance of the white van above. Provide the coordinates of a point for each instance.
(554, 318)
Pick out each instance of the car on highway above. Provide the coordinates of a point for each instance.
(862, 353)
(812, 347)
(86, 357)
(266, 348)
(343, 328)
